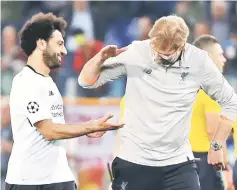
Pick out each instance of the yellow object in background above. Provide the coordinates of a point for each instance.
(198, 135)
(80, 39)
(235, 137)
(122, 107)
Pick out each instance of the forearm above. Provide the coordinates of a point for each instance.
(223, 130)
(218, 88)
(210, 136)
(107, 73)
(52, 131)
(70, 131)
(107, 65)
(91, 70)
(212, 121)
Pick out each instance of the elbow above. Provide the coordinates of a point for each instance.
(49, 134)
(229, 108)
(53, 134)
(47, 129)
(49, 138)
(81, 82)
(229, 114)
(87, 83)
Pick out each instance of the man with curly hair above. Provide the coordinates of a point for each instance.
(38, 159)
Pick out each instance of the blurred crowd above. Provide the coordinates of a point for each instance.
(94, 24)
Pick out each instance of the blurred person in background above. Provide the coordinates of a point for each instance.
(233, 9)
(124, 33)
(138, 29)
(219, 20)
(86, 49)
(32, 7)
(201, 28)
(12, 60)
(145, 25)
(205, 118)
(11, 12)
(155, 9)
(78, 16)
(192, 12)
(231, 49)
(6, 138)
(164, 75)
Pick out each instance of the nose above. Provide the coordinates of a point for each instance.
(64, 51)
(224, 59)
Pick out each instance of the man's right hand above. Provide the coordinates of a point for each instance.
(102, 124)
(110, 51)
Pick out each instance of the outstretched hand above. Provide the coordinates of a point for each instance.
(101, 125)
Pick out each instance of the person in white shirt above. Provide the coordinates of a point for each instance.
(164, 75)
(38, 159)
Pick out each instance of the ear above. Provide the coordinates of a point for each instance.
(41, 44)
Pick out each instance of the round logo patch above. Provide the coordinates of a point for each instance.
(33, 107)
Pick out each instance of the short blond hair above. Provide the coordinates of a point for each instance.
(205, 41)
(169, 32)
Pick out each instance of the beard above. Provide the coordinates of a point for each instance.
(51, 59)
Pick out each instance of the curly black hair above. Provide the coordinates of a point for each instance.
(40, 26)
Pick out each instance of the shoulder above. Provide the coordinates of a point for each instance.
(27, 82)
(140, 45)
(194, 52)
(141, 50)
(196, 58)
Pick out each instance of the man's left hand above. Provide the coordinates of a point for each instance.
(216, 159)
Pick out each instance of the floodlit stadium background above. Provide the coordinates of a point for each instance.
(93, 25)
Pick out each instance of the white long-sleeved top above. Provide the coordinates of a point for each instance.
(159, 101)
